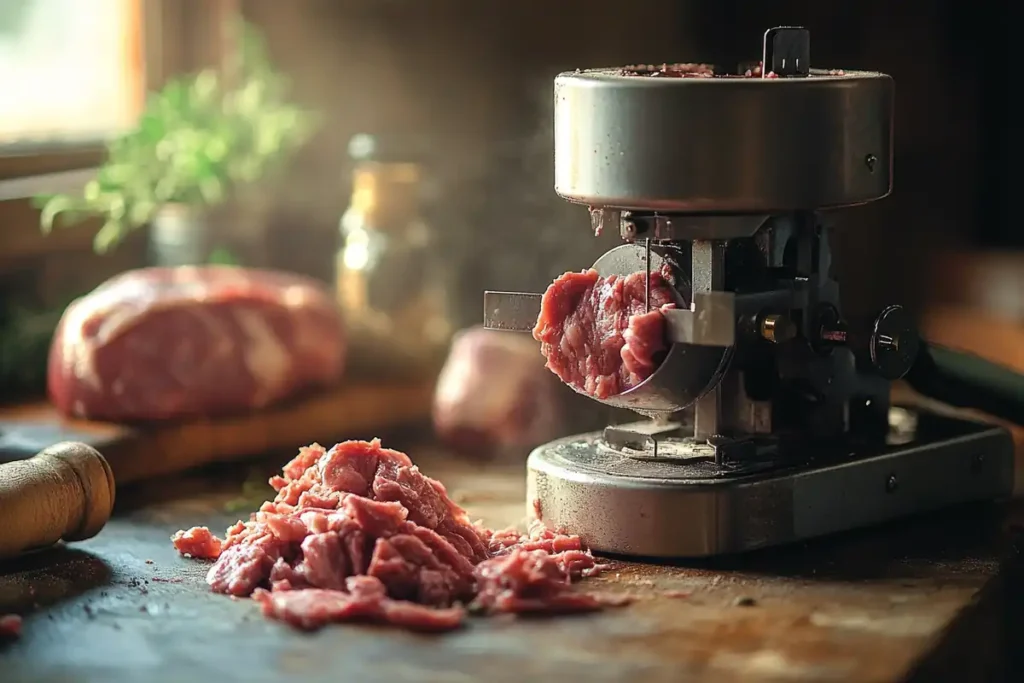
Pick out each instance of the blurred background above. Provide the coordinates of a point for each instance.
(462, 91)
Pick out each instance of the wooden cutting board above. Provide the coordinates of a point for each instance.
(357, 410)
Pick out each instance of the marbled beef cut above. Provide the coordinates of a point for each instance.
(357, 532)
(597, 333)
(166, 343)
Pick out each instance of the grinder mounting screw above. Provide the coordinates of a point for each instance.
(870, 161)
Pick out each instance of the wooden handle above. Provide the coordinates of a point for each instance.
(64, 492)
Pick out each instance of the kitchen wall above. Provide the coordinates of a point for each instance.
(940, 55)
(475, 78)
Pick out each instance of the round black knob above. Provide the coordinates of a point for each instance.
(888, 344)
(893, 343)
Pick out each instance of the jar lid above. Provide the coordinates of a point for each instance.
(387, 148)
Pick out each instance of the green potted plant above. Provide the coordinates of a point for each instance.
(198, 140)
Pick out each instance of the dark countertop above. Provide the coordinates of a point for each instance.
(929, 599)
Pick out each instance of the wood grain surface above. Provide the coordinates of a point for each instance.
(925, 600)
(135, 453)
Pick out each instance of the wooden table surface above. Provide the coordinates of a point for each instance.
(917, 600)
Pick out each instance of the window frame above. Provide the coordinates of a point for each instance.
(175, 37)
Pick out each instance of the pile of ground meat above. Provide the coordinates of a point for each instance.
(597, 333)
(704, 71)
(357, 532)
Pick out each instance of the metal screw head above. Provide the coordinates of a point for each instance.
(977, 462)
(891, 484)
(871, 161)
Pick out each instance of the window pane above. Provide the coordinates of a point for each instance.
(70, 70)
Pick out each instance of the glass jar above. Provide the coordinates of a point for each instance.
(389, 281)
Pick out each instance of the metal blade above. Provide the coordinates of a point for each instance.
(511, 311)
(712, 323)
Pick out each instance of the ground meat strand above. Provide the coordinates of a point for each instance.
(530, 581)
(358, 533)
(363, 599)
(704, 71)
(597, 333)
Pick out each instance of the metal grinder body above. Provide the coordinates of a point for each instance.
(768, 420)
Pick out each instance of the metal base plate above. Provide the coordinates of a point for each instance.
(653, 508)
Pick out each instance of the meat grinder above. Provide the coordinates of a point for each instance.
(769, 420)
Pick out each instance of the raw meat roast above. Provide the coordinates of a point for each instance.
(597, 334)
(494, 394)
(165, 343)
(357, 532)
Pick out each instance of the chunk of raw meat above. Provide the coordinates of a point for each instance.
(597, 333)
(357, 532)
(493, 394)
(10, 626)
(528, 581)
(364, 599)
(197, 542)
(167, 343)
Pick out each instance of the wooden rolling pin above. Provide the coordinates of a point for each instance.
(63, 493)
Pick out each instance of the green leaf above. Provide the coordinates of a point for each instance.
(212, 190)
(198, 139)
(117, 206)
(205, 86)
(93, 191)
(53, 208)
(41, 200)
(141, 212)
(151, 128)
(222, 257)
(108, 236)
(114, 175)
